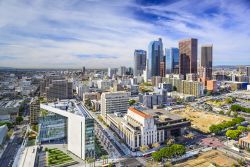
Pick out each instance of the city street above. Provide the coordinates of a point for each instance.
(122, 149)
(9, 154)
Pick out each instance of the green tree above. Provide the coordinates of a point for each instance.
(228, 113)
(174, 88)
(131, 102)
(242, 128)
(88, 102)
(19, 119)
(233, 134)
(221, 112)
(235, 114)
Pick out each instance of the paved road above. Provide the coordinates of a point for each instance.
(9, 154)
(106, 132)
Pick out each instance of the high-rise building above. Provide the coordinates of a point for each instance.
(248, 71)
(59, 89)
(172, 60)
(34, 111)
(188, 56)
(155, 56)
(140, 59)
(122, 71)
(83, 70)
(111, 72)
(206, 61)
(162, 69)
(112, 102)
(69, 119)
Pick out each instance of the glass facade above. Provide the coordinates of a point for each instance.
(155, 55)
(89, 138)
(172, 60)
(52, 127)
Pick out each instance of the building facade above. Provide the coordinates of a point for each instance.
(59, 89)
(74, 123)
(172, 60)
(140, 60)
(112, 102)
(34, 111)
(146, 127)
(206, 62)
(188, 56)
(155, 56)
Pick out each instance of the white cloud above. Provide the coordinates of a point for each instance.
(44, 33)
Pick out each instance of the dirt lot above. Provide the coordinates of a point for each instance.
(201, 120)
(208, 158)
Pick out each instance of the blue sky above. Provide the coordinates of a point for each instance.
(105, 33)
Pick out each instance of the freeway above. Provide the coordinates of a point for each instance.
(106, 132)
(9, 154)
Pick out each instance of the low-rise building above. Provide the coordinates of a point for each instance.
(245, 142)
(69, 119)
(3, 134)
(145, 127)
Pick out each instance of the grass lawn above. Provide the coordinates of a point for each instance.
(57, 158)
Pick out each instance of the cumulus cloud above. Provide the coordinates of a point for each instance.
(104, 33)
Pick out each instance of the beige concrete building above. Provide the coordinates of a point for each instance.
(112, 102)
(145, 127)
(34, 111)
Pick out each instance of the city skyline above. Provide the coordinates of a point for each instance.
(93, 33)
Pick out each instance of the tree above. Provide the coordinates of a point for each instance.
(131, 102)
(170, 141)
(221, 112)
(144, 148)
(242, 128)
(155, 145)
(228, 113)
(88, 102)
(174, 88)
(235, 114)
(19, 119)
(233, 134)
(157, 156)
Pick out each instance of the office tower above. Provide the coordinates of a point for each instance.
(122, 71)
(194, 88)
(83, 70)
(69, 119)
(172, 60)
(112, 102)
(191, 77)
(140, 58)
(111, 72)
(34, 111)
(188, 56)
(248, 71)
(155, 56)
(59, 89)
(206, 61)
(162, 69)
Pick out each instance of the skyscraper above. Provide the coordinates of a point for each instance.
(140, 59)
(206, 61)
(248, 71)
(188, 56)
(172, 60)
(122, 71)
(155, 56)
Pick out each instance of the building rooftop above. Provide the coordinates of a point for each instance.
(141, 113)
(162, 115)
(71, 106)
(246, 139)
